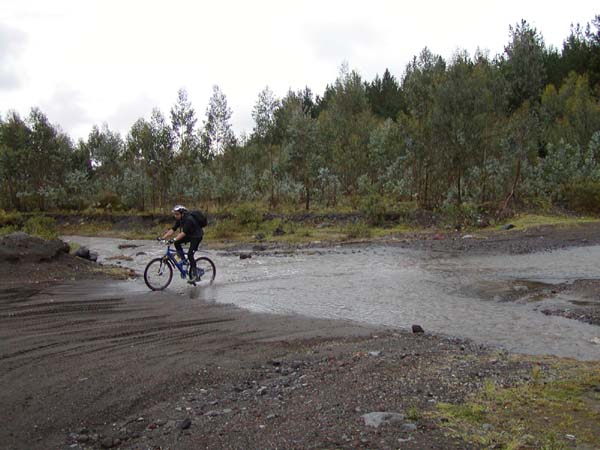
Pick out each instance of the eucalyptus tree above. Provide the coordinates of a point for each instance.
(264, 133)
(302, 150)
(183, 123)
(422, 76)
(217, 133)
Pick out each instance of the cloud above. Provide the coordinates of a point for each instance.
(64, 106)
(12, 41)
(126, 114)
(341, 41)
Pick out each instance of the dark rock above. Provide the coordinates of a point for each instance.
(185, 424)
(278, 231)
(417, 329)
(93, 256)
(83, 252)
(20, 246)
(508, 226)
(259, 248)
(122, 246)
(245, 255)
(107, 443)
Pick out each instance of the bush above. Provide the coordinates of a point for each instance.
(7, 230)
(374, 209)
(583, 196)
(357, 230)
(14, 219)
(248, 214)
(42, 227)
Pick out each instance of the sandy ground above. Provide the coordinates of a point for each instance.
(88, 363)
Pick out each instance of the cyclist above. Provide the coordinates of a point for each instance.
(189, 231)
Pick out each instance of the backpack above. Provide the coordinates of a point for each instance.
(200, 218)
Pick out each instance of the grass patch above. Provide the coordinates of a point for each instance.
(525, 221)
(558, 409)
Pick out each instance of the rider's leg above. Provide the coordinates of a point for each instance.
(194, 243)
(179, 248)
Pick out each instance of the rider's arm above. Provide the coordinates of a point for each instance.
(168, 234)
(179, 236)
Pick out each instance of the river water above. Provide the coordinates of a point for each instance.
(381, 285)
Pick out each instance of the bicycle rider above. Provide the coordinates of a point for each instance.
(189, 231)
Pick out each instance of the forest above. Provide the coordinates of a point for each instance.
(520, 129)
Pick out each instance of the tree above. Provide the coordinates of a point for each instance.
(301, 147)
(183, 122)
(217, 134)
(264, 129)
(385, 96)
(523, 64)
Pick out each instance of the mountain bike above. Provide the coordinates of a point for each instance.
(159, 271)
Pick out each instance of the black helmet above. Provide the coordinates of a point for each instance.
(179, 208)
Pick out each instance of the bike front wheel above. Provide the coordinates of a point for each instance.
(158, 274)
(207, 270)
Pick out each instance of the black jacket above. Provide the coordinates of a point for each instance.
(189, 226)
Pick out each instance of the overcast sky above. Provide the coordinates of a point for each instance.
(86, 62)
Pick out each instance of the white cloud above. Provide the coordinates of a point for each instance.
(11, 42)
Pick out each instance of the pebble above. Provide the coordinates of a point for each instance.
(185, 424)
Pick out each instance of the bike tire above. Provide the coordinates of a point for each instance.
(210, 271)
(153, 274)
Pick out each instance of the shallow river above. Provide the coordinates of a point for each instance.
(457, 296)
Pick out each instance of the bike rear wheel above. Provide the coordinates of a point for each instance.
(207, 269)
(158, 274)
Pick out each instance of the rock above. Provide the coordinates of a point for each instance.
(107, 442)
(417, 329)
(83, 438)
(259, 248)
(212, 413)
(468, 236)
(437, 237)
(509, 226)
(487, 427)
(262, 390)
(278, 231)
(83, 252)
(20, 246)
(93, 256)
(122, 246)
(376, 353)
(409, 426)
(185, 424)
(376, 419)
(259, 237)
(245, 255)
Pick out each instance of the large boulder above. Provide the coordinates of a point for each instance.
(21, 247)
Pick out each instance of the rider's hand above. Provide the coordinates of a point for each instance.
(171, 241)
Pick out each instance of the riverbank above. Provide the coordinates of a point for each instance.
(91, 364)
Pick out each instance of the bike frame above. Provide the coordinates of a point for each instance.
(170, 256)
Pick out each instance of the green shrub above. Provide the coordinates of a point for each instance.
(248, 214)
(7, 230)
(10, 218)
(42, 227)
(373, 207)
(357, 230)
(583, 196)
